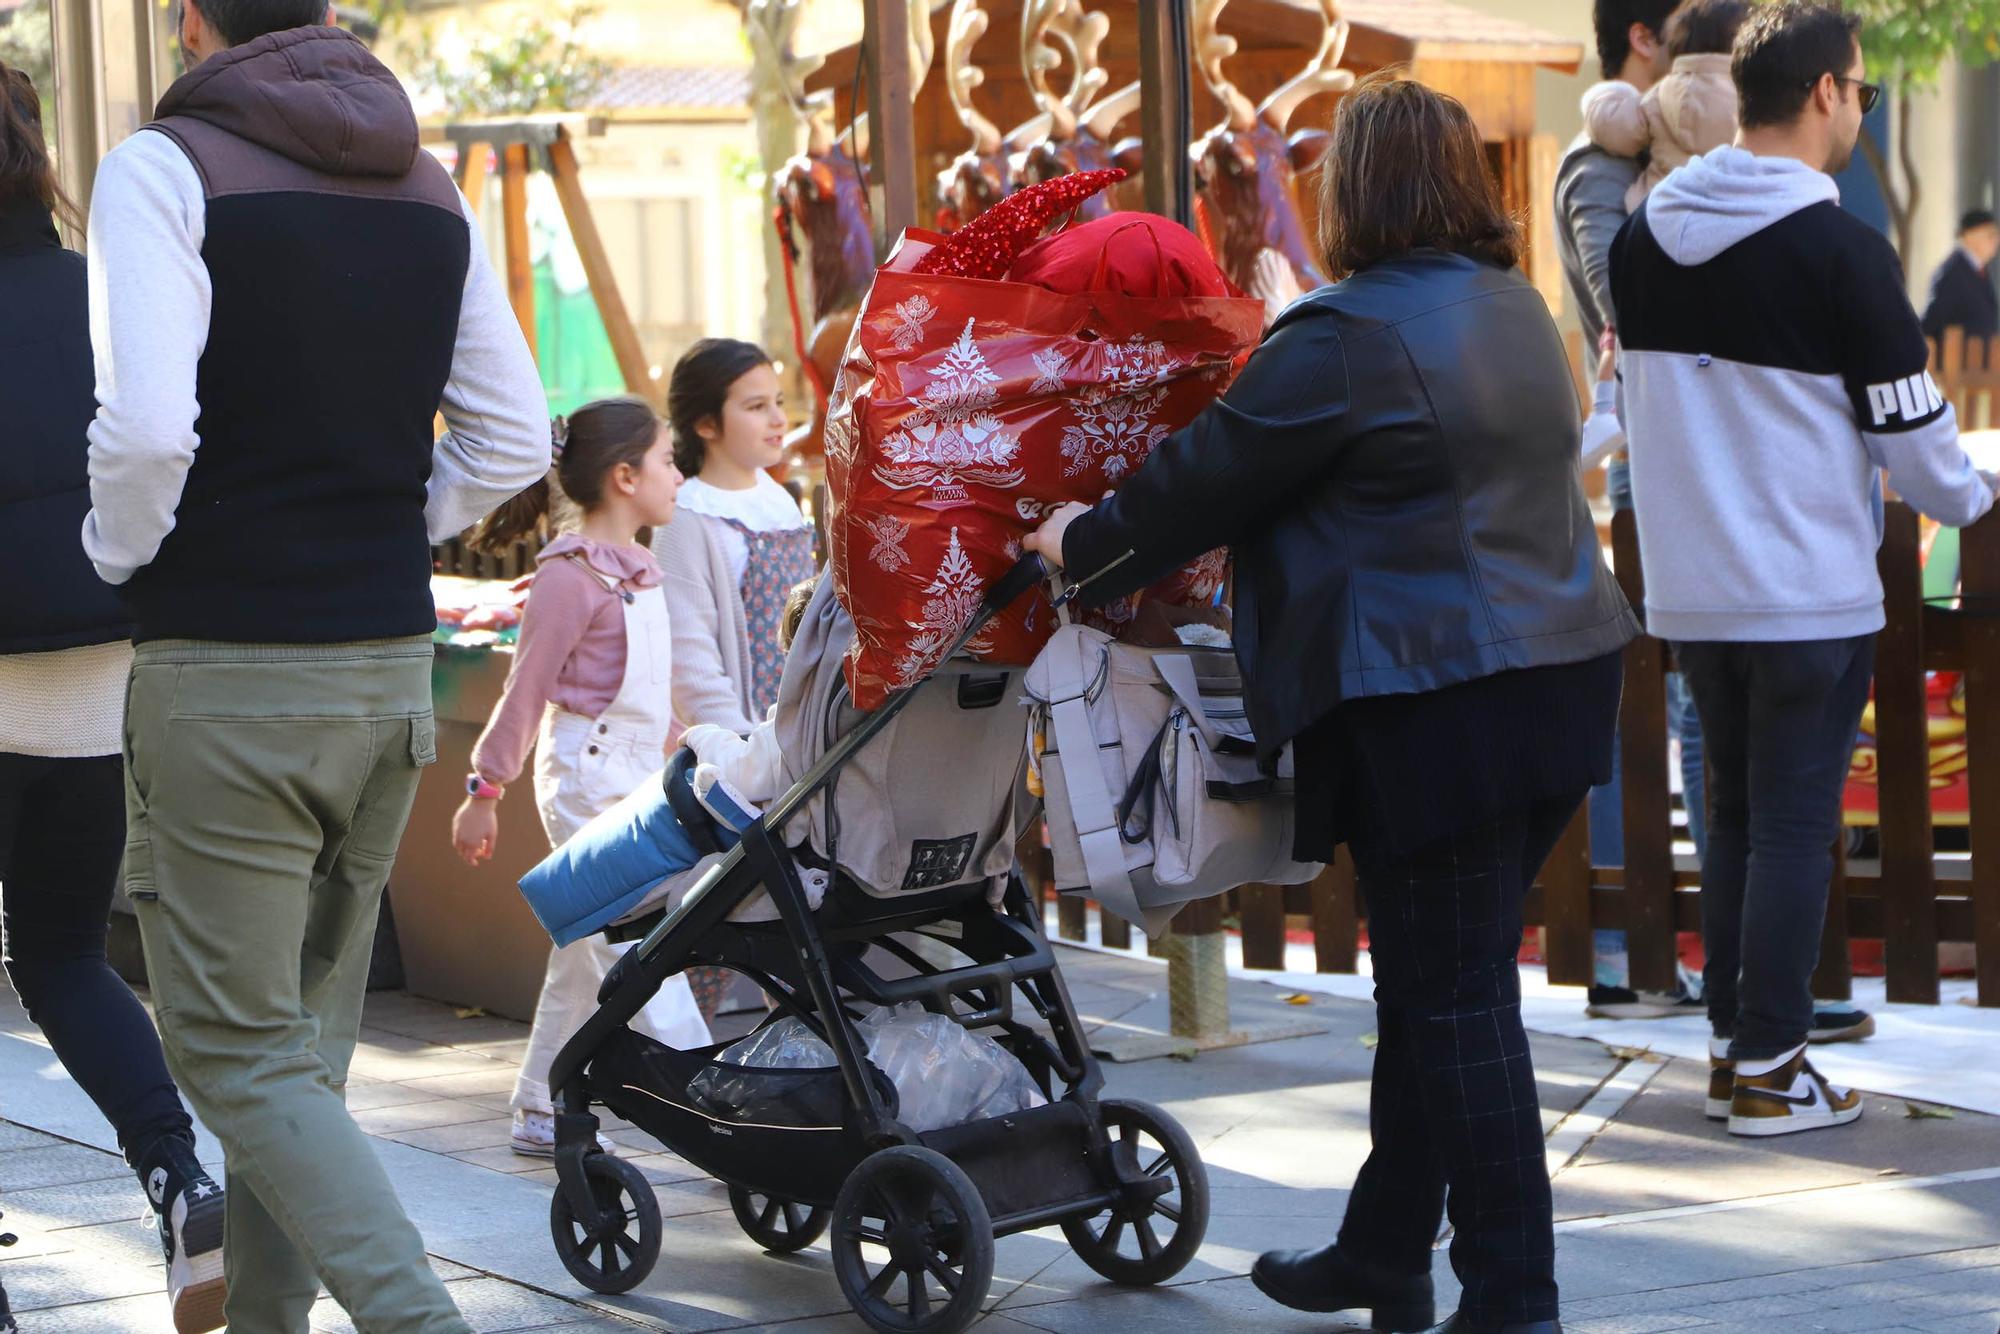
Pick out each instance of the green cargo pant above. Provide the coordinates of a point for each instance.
(267, 787)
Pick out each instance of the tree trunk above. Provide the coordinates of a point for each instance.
(1913, 188)
(1900, 197)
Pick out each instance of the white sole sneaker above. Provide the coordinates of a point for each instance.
(195, 1280)
(1790, 1100)
(1797, 1123)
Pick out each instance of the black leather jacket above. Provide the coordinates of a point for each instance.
(1396, 473)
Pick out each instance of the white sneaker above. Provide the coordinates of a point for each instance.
(1785, 1096)
(535, 1135)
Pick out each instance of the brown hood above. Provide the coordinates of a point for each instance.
(315, 95)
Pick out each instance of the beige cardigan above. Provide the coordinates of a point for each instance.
(711, 636)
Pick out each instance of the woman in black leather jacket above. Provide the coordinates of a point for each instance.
(1423, 612)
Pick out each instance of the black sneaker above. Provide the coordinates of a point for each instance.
(1841, 1026)
(188, 1205)
(1624, 1003)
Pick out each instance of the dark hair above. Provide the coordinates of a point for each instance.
(26, 169)
(596, 438)
(1406, 169)
(240, 21)
(1783, 52)
(1706, 27)
(1978, 217)
(794, 615)
(698, 389)
(1613, 20)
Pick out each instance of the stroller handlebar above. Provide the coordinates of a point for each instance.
(1025, 574)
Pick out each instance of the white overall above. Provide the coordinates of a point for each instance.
(583, 767)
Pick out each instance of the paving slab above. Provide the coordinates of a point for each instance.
(1668, 1223)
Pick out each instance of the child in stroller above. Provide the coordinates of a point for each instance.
(914, 1214)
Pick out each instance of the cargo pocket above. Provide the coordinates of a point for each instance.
(136, 871)
(423, 740)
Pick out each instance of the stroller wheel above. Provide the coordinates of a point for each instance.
(779, 1226)
(617, 1256)
(1152, 1235)
(912, 1243)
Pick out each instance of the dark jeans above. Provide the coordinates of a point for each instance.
(1779, 719)
(62, 831)
(1453, 1112)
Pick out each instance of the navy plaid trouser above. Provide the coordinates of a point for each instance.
(1453, 1113)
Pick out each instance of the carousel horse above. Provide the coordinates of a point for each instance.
(1246, 169)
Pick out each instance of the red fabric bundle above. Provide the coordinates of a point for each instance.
(965, 410)
(1132, 254)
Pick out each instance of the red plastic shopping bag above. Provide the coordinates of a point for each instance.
(963, 412)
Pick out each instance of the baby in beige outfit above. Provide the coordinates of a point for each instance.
(1690, 112)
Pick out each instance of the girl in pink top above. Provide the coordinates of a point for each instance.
(590, 691)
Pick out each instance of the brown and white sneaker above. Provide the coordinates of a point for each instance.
(1721, 1079)
(1786, 1096)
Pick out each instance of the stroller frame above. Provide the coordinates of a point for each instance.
(1066, 1163)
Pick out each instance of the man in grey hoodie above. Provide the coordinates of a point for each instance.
(1773, 371)
(284, 292)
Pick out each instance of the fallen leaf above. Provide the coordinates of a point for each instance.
(1369, 1040)
(1890, 1172)
(1184, 1055)
(1298, 998)
(1917, 1111)
(471, 1012)
(1631, 1053)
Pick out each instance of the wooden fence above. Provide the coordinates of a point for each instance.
(1908, 898)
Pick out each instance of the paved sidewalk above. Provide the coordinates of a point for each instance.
(1666, 1222)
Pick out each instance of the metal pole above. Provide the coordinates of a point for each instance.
(1166, 115)
(892, 126)
(109, 76)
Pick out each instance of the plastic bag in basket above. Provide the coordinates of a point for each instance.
(966, 409)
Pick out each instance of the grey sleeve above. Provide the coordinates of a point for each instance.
(1593, 211)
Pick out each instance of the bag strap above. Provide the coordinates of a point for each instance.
(1091, 806)
(1177, 671)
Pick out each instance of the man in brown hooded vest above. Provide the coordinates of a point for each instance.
(284, 292)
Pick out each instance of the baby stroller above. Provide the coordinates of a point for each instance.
(913, 1216)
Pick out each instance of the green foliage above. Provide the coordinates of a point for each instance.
(1908, 42)
(540, 66)
(27, 42)
(742, 169)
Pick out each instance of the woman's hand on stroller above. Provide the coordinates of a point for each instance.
(475, 829)
(1047, 541)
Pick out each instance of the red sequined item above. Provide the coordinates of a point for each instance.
(987, 246)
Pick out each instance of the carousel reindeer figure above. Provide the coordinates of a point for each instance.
(981, 176)
(1073, 132)
(823, 193)
(1245, 167)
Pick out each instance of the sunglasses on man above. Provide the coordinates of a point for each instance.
(1870, 93)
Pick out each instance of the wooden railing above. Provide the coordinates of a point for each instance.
(1909, 898)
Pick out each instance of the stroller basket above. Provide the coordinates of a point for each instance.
(795, 1135)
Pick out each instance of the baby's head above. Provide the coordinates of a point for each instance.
(1705, 27)
(795, 612)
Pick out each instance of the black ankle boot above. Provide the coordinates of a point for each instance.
(1327, 1280)
(1458, 1324)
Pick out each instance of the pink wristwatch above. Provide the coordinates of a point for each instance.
(479, 788)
